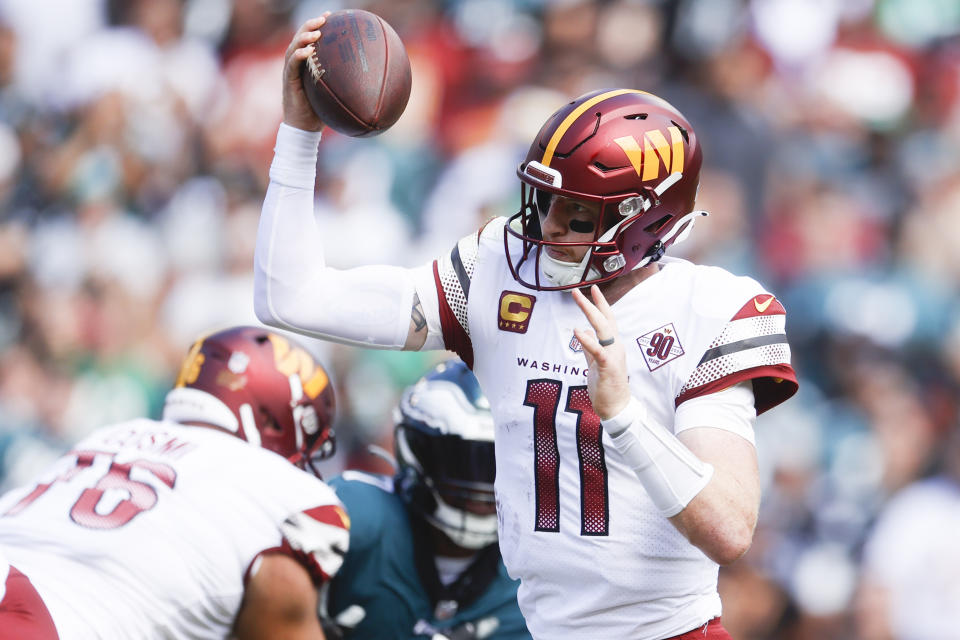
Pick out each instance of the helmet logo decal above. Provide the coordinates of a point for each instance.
(190, 370)
(572, 117)
(515, 310)
(646, 161)
(295, 361)
(231, 380)
(238, 362)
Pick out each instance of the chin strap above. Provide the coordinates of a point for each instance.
(682, 230)
(562, 273)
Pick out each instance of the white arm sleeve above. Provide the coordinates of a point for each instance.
(294, 289)
(731, 409)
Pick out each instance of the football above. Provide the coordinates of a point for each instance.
(358, 79)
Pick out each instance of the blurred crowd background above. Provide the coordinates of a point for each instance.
(135, 139)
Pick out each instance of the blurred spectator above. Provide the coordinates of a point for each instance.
(909, 588)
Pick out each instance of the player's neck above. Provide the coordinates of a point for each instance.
(618, 287)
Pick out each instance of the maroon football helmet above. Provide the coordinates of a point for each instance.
(629, 151)
(260, 386)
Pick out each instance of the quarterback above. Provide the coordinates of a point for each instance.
(623, 384)
(195, 526)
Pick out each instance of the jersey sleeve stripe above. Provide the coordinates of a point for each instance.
(726, 365)
(745, 328)
(452, 274)
(742, 345)
(318, 539)
(455, 337)
(330, 514)
(751, 346)
(461, 272)
(772, 384)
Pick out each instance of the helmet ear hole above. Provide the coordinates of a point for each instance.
(657, 225)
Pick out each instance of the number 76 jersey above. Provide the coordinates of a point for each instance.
(595, 557)
(149, 529)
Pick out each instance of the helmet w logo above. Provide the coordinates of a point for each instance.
(291, 360)
(646, 161)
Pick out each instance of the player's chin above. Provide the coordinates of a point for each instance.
(562, 256)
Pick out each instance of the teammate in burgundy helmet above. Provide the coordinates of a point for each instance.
(195, 526)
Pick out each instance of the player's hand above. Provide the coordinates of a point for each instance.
(296, 110)
(607, 380)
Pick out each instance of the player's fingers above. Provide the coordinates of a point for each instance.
(598, 320)
(294, 60)
(303, 53)
(309, 37)
(588, 308)
(309, 26)
(591, 348)
(314, 23)
(597, 355)
(301, 40)
(600, 301)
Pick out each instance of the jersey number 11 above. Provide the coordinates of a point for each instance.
(544, 396)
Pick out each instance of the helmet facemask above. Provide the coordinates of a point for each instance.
(603, 259)
(603, 250)
(315, 441)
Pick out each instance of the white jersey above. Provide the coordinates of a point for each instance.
(148, 530)
(595, 557)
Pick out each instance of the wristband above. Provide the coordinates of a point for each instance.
(621, 422)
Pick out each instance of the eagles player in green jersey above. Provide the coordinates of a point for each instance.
(423, 560)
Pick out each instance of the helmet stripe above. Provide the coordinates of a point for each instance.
(572, 117)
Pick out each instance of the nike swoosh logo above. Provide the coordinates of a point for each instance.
(762, 306)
